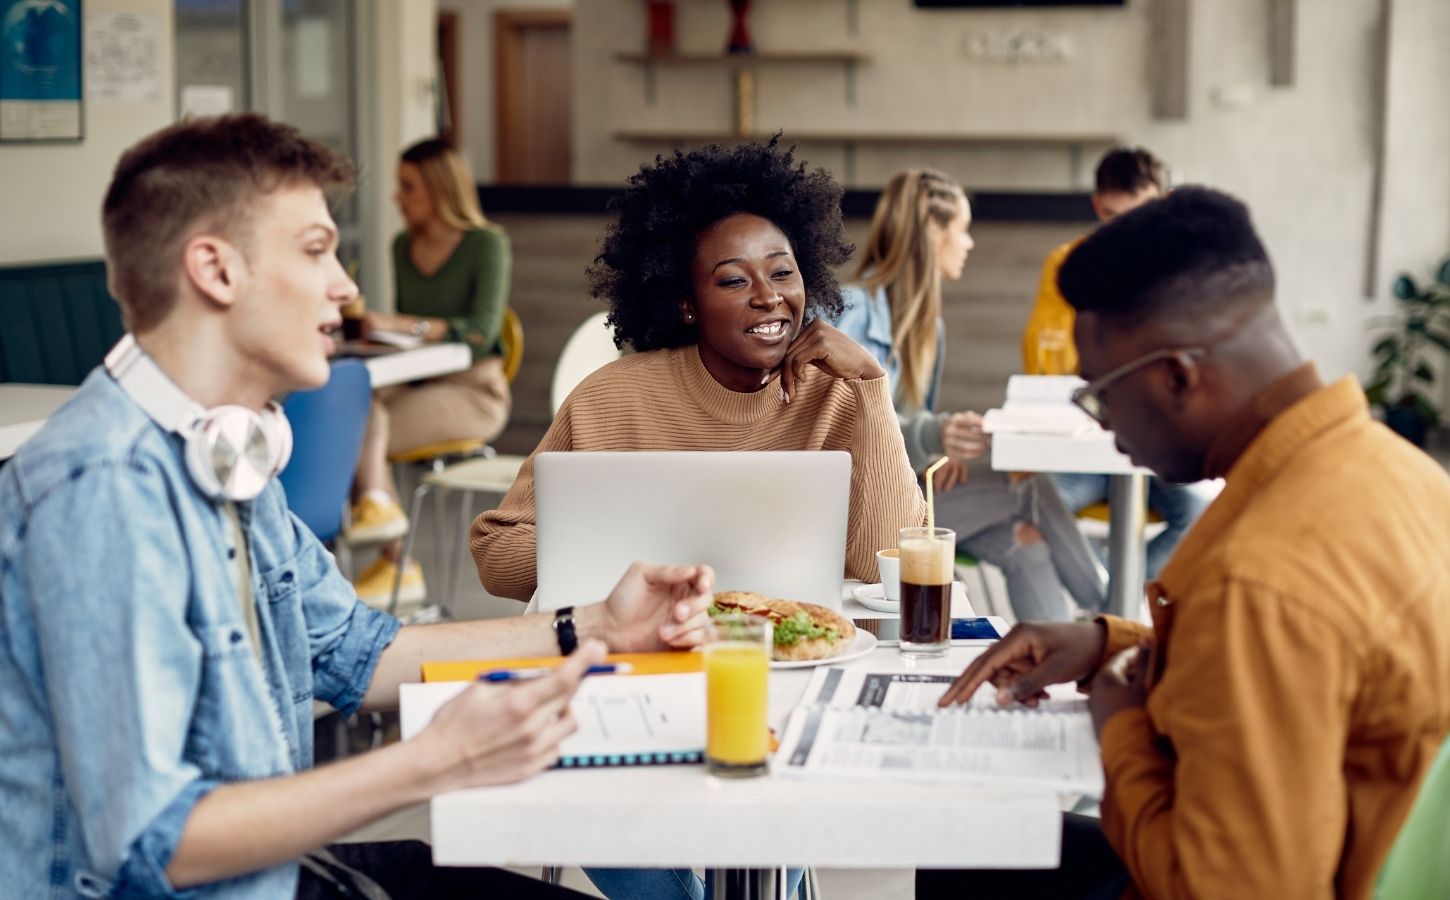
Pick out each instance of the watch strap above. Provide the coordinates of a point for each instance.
(564, 630)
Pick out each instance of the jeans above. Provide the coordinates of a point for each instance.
(1089, 870)
(664, 884)
(1180, 505)
(985, 513)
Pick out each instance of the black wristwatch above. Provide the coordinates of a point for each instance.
(564, 630)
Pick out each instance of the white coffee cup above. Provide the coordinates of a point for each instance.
(888, 563)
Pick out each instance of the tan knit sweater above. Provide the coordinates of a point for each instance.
(666, 400)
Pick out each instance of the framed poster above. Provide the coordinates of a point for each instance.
(40, 70)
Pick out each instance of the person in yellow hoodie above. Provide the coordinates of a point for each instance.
(1126, 178)
(1268, 735)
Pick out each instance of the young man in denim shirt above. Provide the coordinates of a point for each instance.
(165, 626)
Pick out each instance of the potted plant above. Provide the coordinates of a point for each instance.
(1404, 379)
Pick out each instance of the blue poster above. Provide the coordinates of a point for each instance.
(40, 69)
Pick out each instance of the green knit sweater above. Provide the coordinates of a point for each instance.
(470, 290)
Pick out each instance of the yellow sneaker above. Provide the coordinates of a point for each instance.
(375, 521)
(374, 584)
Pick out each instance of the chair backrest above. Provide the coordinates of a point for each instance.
(1418, 867)
(327, 433)
(59, 321)
(512, 339)
(589, 347)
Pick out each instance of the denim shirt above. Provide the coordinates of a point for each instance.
(867, 321)
(128, 685)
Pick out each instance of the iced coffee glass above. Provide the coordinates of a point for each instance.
(927, 561)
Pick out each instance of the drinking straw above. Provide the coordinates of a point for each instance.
(930, 503)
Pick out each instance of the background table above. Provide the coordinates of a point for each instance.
(678, 816)
(1094, 453)
(24, 409)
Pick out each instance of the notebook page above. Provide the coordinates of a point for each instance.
(622, 718)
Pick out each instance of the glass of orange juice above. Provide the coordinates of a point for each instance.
(737, 671)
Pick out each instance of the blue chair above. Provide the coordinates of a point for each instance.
(327, 433)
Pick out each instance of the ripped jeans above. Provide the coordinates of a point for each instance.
(986, 512)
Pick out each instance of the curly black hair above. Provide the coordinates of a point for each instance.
(643, 267)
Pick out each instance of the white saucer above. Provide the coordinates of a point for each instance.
(873, 596)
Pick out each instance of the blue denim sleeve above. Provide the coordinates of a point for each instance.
(346, 636)
(107, 586)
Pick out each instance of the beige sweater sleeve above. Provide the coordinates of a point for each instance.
(503, 540)
(884, 494)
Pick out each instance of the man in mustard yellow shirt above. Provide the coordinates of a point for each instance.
(1267, 737)
(1126, 178)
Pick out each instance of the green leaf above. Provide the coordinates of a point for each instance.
(1427, 410)
(1405, 288)
(1385, 346)
(1439, 339)
(1425, 373)
(1375, 393)
(1443, 276)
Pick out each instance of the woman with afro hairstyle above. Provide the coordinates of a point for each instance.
(719, 273)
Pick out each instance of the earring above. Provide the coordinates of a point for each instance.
(689, 317)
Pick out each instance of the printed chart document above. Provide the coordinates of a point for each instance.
(855, 723)
(624, 720)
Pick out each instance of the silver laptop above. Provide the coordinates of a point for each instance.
(773, 522)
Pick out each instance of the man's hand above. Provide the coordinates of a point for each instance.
(962, 437)
(951, 474)
(1030, 658)
(829, 350)
(496, 734)
(1119, 685)
(657, 608)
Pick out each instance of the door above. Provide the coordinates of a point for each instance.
(532, 56)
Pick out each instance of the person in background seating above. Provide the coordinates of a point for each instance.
(1126, 178)
(451, 268)
(920, 238)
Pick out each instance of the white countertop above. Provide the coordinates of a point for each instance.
(652, 816)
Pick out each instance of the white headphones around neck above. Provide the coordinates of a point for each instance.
(232, 452)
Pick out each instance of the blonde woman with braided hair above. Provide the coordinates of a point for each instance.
(920, 237)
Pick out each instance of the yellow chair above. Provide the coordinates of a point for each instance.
(435, 458)
(1100, 512)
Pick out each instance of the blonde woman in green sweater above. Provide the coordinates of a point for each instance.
(451, 270)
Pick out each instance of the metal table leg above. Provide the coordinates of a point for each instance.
(1127, 556)
(749, 884)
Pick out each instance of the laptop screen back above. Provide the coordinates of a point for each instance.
(773, 522)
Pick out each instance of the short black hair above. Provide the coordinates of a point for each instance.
(1127, 170)
(643, 269)
(1192, 246)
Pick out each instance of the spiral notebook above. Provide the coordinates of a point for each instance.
(624, 720)
(854, 723)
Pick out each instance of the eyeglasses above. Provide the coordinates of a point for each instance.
(1089, 397)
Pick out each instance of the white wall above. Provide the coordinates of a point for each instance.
(50, 194)
(476, 73)
(396, 106)
(1300, 156)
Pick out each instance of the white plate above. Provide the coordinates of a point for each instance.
(872, 596)
(864, 643)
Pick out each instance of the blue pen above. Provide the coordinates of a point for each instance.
(498, 676)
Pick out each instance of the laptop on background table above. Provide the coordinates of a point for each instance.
(773, 522)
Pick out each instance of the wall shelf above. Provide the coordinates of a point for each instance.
(1074, 143)
(744, 63)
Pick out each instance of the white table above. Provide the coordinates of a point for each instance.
(1094, 453)
(24, 409)
(428, 361)
(678, 816)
